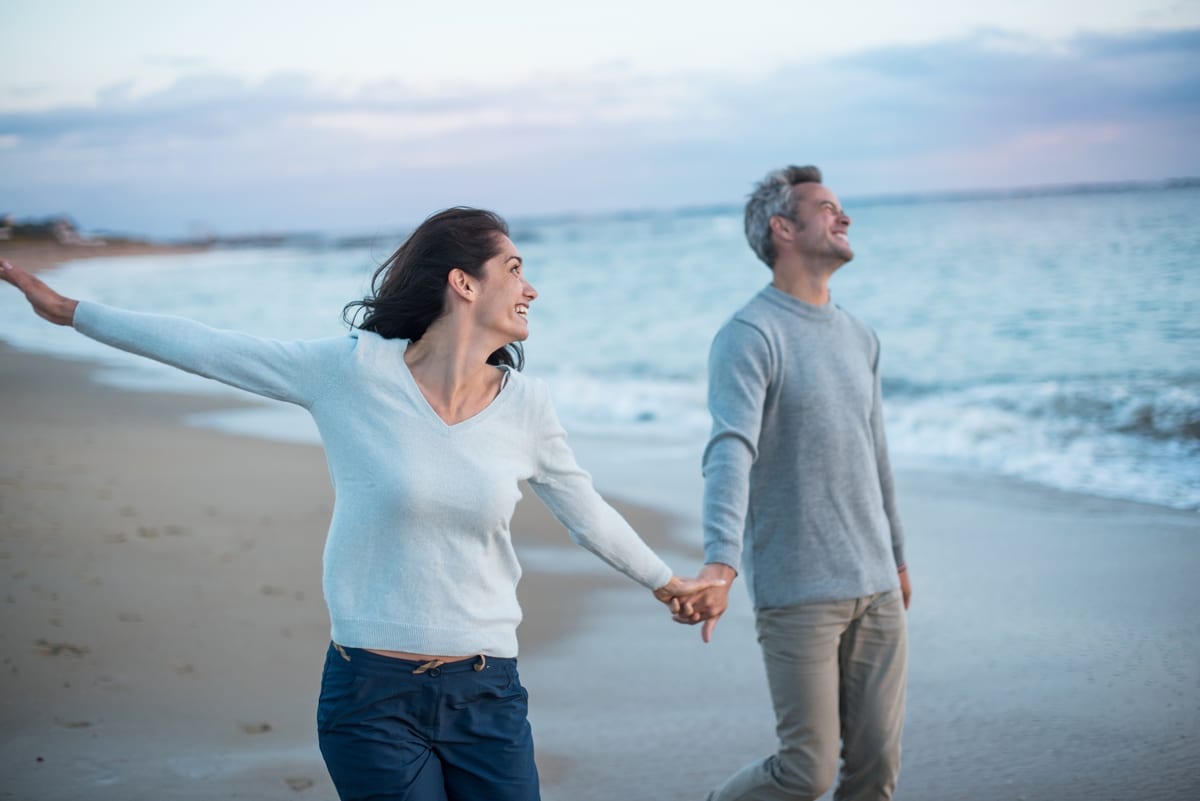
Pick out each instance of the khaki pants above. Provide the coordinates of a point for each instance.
(837, 673)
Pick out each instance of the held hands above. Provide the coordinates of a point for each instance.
(707, 604)
(675, 591)
(47, 303)
(681, 591)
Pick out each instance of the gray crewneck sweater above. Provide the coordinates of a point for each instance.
(797, 464)
(419, 556)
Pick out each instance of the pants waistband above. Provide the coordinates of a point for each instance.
(378, 663)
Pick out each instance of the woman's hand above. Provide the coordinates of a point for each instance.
(678, 588)
(45, 301)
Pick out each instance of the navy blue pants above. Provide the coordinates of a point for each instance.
(392, 731)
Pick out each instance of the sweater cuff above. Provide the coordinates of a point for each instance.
(81, 322)
(662, 578)
(725, 554)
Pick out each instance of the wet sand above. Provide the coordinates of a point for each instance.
(1054, 655)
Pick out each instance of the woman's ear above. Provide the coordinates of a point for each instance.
(462, 284)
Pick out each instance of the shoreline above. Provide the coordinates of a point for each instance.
(1063, 475)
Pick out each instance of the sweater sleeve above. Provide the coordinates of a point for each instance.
(883, 464)
(296, 372)
(739, 371)
(568, 493)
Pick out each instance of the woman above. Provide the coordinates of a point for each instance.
(428, 427)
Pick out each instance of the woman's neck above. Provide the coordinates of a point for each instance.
(453, 374)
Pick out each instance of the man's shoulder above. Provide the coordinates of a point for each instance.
(751, 320)
(756, 313)
(744, 337)
(856, 325)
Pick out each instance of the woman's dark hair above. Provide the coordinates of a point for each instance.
(408, 291)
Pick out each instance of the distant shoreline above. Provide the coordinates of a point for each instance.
(523, 223)
(930, 196)
(36, 255)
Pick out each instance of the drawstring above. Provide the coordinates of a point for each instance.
(433, 664)
(480, 664)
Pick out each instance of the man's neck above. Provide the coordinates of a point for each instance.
(808, 283)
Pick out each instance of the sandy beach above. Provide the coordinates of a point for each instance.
(42, 255)
(163, 627)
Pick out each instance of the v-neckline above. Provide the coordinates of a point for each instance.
(415, 388)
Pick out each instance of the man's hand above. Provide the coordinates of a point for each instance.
(48, 304)
(905, 585)
(710, 604)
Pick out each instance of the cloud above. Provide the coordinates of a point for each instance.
(998, 82)
(994, 107)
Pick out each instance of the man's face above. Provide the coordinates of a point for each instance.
(820, 225)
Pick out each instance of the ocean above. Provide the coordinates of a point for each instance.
(1049, 337)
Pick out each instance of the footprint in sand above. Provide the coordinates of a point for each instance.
(58, 648)
(73, 724)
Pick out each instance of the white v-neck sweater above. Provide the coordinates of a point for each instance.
(419, 555)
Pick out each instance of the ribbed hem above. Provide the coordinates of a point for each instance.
(663, 578)
(82, 321)
(778, 599)
(724, 556)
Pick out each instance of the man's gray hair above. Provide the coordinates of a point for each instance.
(772, 197)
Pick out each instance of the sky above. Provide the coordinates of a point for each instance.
(171, 119)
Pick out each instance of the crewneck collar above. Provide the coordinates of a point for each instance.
(793, 304)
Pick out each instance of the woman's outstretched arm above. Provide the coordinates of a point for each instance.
(296, 372)
(48, 304)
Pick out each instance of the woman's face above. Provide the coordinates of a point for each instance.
(505, 295)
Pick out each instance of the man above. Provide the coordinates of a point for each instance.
(797, 469)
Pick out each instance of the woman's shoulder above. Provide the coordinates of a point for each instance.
(526, 386)
(370, 343)
(529, 394)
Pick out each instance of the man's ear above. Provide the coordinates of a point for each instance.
(461, 283)
(780, 227)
